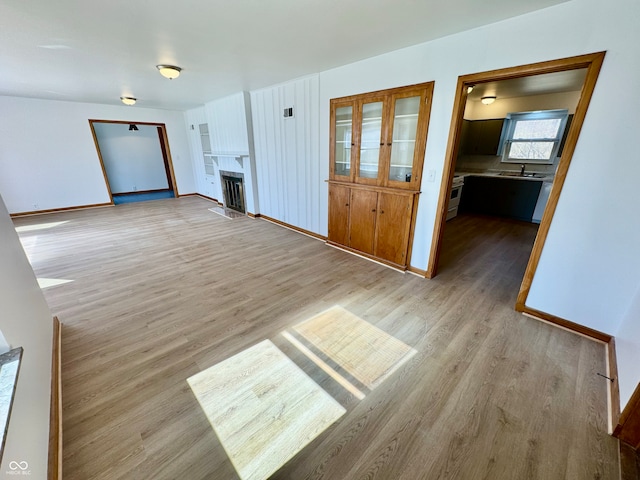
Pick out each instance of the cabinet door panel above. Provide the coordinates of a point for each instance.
(339, 214)
(404, 135)
(409, 121)
(363, 206)
(372, 113)
(342, 139)
(394, 218)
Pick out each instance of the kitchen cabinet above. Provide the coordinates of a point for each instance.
(481, 137)
(371, 221)
(376, 155)
(339, 197)
(503, 197)
(379, 138)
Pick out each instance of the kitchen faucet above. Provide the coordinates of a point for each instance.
(522, 169)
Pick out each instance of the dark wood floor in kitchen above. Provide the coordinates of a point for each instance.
(162, 290)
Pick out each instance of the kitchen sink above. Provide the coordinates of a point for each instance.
(526, 175)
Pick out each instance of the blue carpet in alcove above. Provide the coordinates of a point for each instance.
(142, 197)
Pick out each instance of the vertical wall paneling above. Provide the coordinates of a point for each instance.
(228, 124)
(254, 204)
(290, 175)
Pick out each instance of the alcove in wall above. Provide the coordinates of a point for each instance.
(136, 160)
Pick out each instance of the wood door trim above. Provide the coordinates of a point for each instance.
(628, 428)
(569, 325)
(164, 145)
(54, 464)
(592, 62)
(165, 162)
(104, 170)
(614, 390)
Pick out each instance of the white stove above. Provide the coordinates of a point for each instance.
(454, 198)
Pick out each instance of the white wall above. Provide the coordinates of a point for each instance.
(48, 158)
(132, 158)
(628, 350)
(207, 185)
(291, 175)
(25, 322)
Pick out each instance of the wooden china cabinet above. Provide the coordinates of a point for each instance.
(377, 150)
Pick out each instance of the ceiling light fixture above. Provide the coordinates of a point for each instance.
(132, 127)
(128, 100)
(488, 100)
(169, 71)
(469, 89)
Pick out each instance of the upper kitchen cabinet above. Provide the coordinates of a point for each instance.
(481, 137)
(379, 138)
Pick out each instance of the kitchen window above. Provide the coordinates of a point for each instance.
(533, 137)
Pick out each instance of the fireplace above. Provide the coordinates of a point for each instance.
(233, 190)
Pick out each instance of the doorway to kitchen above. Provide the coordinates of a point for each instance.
(135, 159)
(485, 85)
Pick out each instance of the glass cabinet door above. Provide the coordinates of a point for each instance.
(370, 140)
(405, 130)
(343, 140)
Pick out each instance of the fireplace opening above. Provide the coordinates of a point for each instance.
(233, 191)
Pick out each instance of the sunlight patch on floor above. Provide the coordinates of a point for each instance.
(51, 282)
(263, 408)
(369, 354)
(39, 226)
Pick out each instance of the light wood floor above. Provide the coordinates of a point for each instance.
(163, 290)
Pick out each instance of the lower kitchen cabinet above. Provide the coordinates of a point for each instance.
(503, 197)
(373, 221)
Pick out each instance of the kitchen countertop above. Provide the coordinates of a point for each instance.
(544, 177)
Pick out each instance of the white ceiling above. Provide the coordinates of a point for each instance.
(559, 82)
(96, 51)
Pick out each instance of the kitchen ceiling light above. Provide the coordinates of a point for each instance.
(128, 100)
(169, 71)
(488, 100)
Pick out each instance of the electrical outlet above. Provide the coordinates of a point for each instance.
(431, 176)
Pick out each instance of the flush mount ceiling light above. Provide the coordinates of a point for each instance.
(169, 71)
(133, 126)
(488, 100)
(128, 100)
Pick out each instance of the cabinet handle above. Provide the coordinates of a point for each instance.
(382, 144)
(346, 204)
(388, 144)
(353, 144)
(381, 212)
(373, 210)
